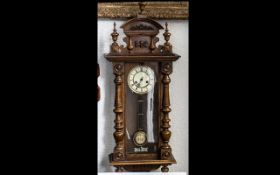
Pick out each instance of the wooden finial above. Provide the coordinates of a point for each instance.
(166, 26)
(115, 33)
(114, 27)
(167, 34)
(115, 47)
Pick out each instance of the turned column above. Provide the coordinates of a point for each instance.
(165, 150)
(119, 109)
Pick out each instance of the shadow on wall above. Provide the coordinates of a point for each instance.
(107, 111)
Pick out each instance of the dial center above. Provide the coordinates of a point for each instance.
(141, 79)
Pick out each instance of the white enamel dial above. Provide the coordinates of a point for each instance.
(141, 79)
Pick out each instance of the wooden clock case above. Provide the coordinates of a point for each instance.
(141, 38)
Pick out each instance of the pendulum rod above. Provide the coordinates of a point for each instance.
(140, 113)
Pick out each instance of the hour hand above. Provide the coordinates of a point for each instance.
(136, 84)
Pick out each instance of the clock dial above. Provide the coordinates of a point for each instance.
(141, 79)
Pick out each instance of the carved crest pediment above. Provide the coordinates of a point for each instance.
(136, 21)
(141, 26)
(141, 38)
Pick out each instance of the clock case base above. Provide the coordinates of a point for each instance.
(141, 165)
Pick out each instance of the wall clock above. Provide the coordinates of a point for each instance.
(142, 104)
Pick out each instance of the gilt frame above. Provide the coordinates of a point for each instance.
(178, 10)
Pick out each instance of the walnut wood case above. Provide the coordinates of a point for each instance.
(141, 38)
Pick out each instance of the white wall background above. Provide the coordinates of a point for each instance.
(178, 93)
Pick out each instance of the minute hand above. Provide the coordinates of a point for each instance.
(138, 84)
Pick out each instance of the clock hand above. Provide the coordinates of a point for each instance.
(141, 80)
(138, 84)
